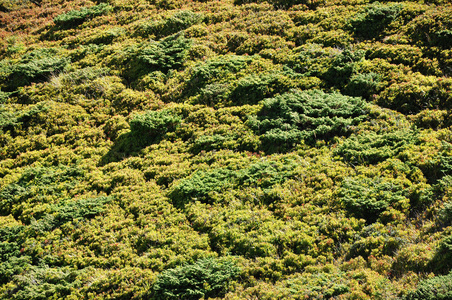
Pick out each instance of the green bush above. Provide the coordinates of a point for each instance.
(432, 28)
(68, 211)
(295, 117)
(199, 185)
(253, 88)
(372, 20)
(12, 262)
(36, 186)
(284, 4)
(417, 93)
(81, 209)
(442, 261)
(215, 70)
(153, 124)
(164, 55)
(16, 121)
(179, 21)
(436, 288)
(342, 68)
(202, 184)
(266, 174)
(363, 85)
(445, 213)
(367, 198)
(42, 282)
(74, 18)
(203, 279)
(35, 66)
(371, 147)
(376, 240)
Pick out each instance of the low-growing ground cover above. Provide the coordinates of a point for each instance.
(167, 149)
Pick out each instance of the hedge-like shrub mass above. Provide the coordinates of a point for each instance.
(293, 118)
(77, 17)
(439, 287)
(373, 20)
(246, 149)
(204, 278)
(371, 147)
(34, 66)
(154, 123)
(368, 199)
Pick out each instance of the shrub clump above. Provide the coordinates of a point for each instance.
(153, 124)
(74, 18)
(162, 56)
(203, 279)
(372, 148)
(373, 20)
(369, 198)
(294, 117)
(436, 288)
(35, 66)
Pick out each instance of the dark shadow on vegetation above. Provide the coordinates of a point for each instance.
(146, 129)
(33, 67)
(127, 145)
(442, 261)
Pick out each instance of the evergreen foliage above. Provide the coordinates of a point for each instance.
(369, 198)
(153, 124)
(35, 66)
(76, 17)
(295, 117)
(246, 149)
(204, 278)
(373, 20)
(438, 288)
(163, 56)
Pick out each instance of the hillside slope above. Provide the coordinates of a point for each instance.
(236, 149)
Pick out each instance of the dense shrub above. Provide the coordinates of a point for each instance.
(82, 209)
(200, 184)
(343, 67)
(435, 288)
(44, 283)
(363, 85)
(254, 88)
(280, 4)
(140, 136)
(416, 93)
(12, 261)
(74, 18)
(266, 174)
(371, 147)
(442, 261)
(217, 69)
(34, 66)
(36, 186)
(165, 55)
(373, 20)
(445, 213)
(177, 22)
(16, 121)
(153, 124)
(203, 279)
(366, 198)
(375, 240)
(431, 28)
(295, 117)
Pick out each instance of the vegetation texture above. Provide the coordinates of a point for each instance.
(225, 149)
